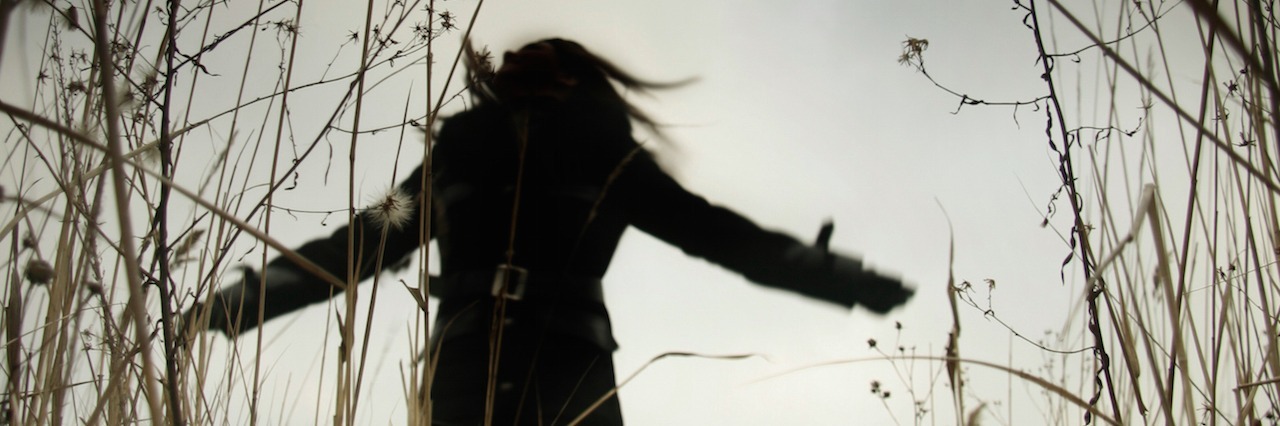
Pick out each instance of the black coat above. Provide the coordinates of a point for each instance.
(580, 180)
(585, 179)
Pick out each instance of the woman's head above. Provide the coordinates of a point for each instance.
(534, 71)
(556, 69)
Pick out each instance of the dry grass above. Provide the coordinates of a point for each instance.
(1170, 214)
(145, 164)
(138, 173)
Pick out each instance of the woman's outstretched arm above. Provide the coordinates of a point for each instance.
(658, 205)
(234, 309)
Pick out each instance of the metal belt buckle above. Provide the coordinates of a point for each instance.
(509, 282)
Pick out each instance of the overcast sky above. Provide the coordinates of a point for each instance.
(801, 113)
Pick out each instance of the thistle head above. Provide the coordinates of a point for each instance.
(392, 210)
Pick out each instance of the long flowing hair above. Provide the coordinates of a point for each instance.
(596, 77)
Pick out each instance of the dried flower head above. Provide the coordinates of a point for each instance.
(448, 21)
(39, 271)
(913, 51)
(479, 64)
(392, 210)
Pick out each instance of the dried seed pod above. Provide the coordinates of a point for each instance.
(94, 288)
(39, 271)
(188, 243)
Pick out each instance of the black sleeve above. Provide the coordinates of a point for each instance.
(330, 253)
(658, 205)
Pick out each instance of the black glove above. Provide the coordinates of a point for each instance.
(818, 273)
(876, 292)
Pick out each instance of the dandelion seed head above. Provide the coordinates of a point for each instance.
(392, 210)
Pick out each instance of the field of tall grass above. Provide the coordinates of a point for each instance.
(148, 146)
(1159, 118)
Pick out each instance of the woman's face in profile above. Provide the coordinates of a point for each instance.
(532, 71)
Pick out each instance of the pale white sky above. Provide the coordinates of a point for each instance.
(801, 114)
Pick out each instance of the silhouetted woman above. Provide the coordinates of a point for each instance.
(532, 189)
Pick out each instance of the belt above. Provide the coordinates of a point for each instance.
(518, 284)
(569, 305)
